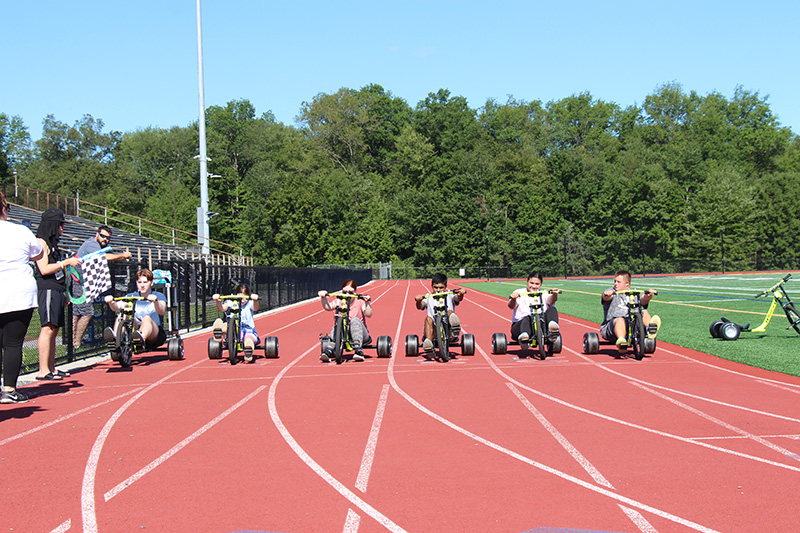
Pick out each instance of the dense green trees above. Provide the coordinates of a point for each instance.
(675, 182)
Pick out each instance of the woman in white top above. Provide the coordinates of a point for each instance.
(19, 297)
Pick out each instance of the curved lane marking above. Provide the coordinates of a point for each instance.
(563, 475)
(88, 504)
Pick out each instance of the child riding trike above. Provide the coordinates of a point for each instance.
(235, 334)
(126, 341)
(636, 331)
(547, 343)
(443, 338)
(340, 341)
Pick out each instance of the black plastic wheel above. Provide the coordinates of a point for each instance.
(499, 343)
(468, 344)
(175, 349)
(638, 336)
(233, 339)
(125, 337)
(555, 346)
(591, 343)
(442, 342)
(384, 346)
(338, 340)
(713, 329)
(271, 347)
(539, 334)
(649, 346)
(412, 346)
(214, 348)
(729, 331)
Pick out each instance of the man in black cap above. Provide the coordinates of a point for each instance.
(82, 313)
(50, 274)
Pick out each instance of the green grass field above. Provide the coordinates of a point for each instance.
(687, 306)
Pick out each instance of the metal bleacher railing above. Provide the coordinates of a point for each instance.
(143, 237)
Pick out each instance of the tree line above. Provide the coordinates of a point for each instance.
(578, 185)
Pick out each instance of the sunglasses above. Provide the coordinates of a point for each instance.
(106, 237)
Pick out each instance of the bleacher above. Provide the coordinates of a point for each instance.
(78, 229)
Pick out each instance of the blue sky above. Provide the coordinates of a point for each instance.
(134, 64)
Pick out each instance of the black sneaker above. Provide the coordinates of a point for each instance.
(359, 355)
(13, 396)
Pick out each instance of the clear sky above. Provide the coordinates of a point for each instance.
(133, 64)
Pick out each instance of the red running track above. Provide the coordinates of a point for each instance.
(680, 441)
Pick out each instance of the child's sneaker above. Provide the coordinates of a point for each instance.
(553, 328)
(359, 355)
(109, 337)
(326, 355)
(217, 334)
(455, 326)
(653, 326)
(622, 345)
(13, 396)
(248, 354)
(427, 349)
(523, 339)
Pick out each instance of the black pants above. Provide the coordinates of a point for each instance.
(13, 327)
(550, 315)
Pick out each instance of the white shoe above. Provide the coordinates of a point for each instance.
(653, 326)
(455, 325)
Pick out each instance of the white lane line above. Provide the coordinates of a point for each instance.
(88, 504)
(630, 424)
(563, 475)
(310, 462)
(372, 442)
(637, 518)
(734, 437)
(182, 444)
(572, 450)
(67, 417)
(63, 527)
(352, 522)
(687, 394)
(706, 416)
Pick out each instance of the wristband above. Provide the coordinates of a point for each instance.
(62, 264)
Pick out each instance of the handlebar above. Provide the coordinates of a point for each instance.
(774, 287)
(346, 295)
(636, 292)
(128, 298)
(439, 294)
(537, 292)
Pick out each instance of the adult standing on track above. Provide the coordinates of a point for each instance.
(19, 297)
(82, 313)
(51, 281)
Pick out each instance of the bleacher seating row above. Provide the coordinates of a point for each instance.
(78, 229)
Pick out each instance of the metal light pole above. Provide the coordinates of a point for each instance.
(202, 211)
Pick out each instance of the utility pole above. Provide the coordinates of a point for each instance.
(202, 211)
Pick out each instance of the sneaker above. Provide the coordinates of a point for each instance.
(455, 326)
(248, 354)
(622, 345)
(653, 326)
(13, 396)
(138, 339)
(427, 348)
(554, 330)
(108, 336)
(326, 355)
(217, 334)
(358, 356)
(523, 339)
